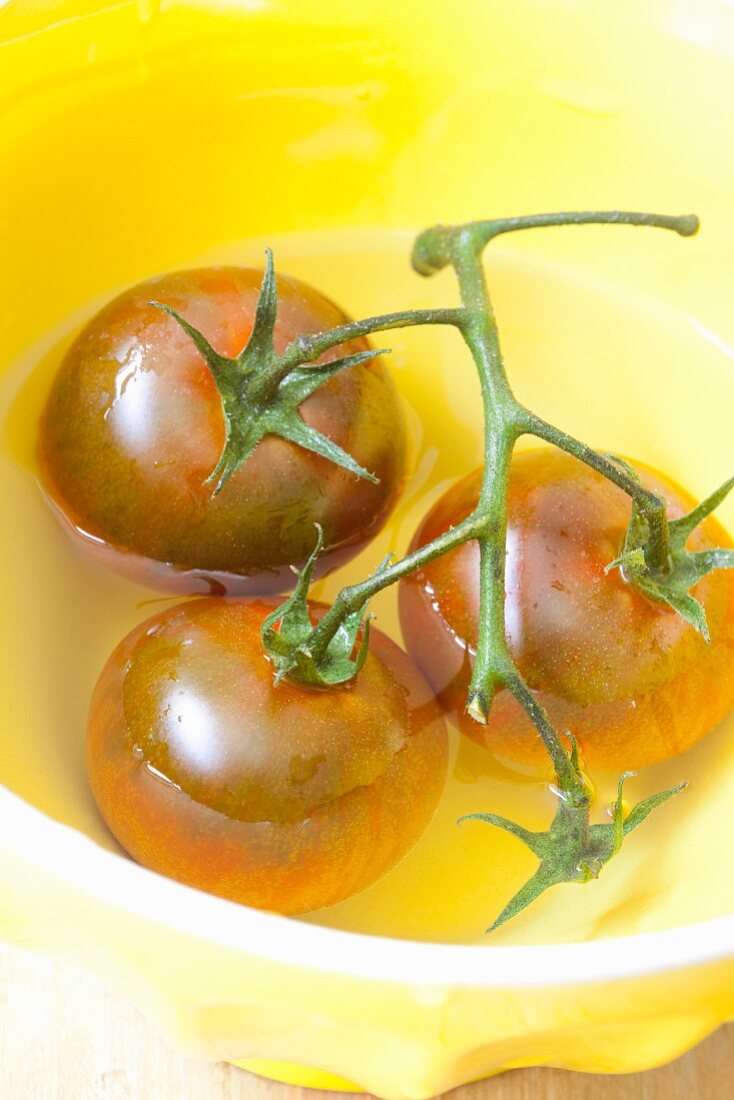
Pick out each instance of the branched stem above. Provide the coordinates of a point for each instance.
(503, 424)
(572, 849)
(305, 349)
(308, 348)
(433, 248)
(505, 420)
(356, 596)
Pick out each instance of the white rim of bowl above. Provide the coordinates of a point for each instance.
(75, 859)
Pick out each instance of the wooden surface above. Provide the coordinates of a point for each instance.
(63, 1036)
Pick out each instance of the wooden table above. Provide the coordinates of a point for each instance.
(63, 1036)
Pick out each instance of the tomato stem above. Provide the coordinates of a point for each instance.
(505, 420)
(357, 596)
(650, 504)
(307, 348)
(572, 849)
(433, 247)
(503, 423)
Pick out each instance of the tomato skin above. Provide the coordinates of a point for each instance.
(281, 798)
(628, 677)
(133, 426)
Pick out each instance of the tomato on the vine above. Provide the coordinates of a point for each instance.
(134, 426)
(627, 676)
(281, 797)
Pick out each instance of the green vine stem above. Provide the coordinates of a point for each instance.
(654, 557)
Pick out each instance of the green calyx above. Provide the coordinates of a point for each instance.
(572, 849)
(261, 391)
(685, 567)
(290, 649)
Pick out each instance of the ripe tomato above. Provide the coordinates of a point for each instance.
(627, 676)
(283, 798)
(134, 426)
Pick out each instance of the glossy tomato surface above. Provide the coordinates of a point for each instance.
(134, 426)
(627, 676)
(283, 798)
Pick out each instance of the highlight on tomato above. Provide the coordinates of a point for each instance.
(184, 451)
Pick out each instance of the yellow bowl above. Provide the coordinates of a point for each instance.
(135, 137)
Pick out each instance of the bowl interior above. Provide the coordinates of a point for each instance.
(136, 141)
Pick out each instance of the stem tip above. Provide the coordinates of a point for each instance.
(688, 225)
(430, 251)
(477, 708)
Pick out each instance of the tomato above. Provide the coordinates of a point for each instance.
(283, 798)
(627, 676)
(134, 426)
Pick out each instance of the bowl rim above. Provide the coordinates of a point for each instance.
(64, 853)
